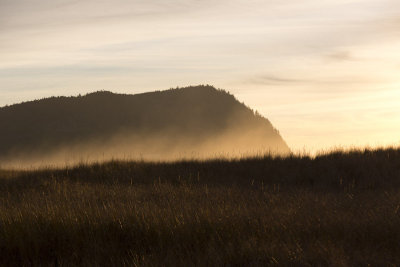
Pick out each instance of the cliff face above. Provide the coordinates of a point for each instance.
(182, 122)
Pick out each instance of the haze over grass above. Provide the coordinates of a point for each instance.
(338, 209)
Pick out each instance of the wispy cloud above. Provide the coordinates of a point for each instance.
(272, 80)
(275, 80)
(341, 56)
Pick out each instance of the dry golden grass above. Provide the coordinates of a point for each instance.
(340, 209)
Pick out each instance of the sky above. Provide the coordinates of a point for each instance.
(326, 73)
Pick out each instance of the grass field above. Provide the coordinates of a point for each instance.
(339, 209)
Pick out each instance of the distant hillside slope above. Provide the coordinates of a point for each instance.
(193, 119)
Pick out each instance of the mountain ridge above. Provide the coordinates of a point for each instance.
(193, 115)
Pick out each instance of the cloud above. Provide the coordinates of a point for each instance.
(275, 80)
(38, 13)
(341, 56)
(316, 82)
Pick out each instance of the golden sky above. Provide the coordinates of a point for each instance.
(325, 72)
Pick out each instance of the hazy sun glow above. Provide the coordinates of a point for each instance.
(326, 73)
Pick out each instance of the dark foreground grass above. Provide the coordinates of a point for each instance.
(340, 209)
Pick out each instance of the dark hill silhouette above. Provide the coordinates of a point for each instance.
(192, 119)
